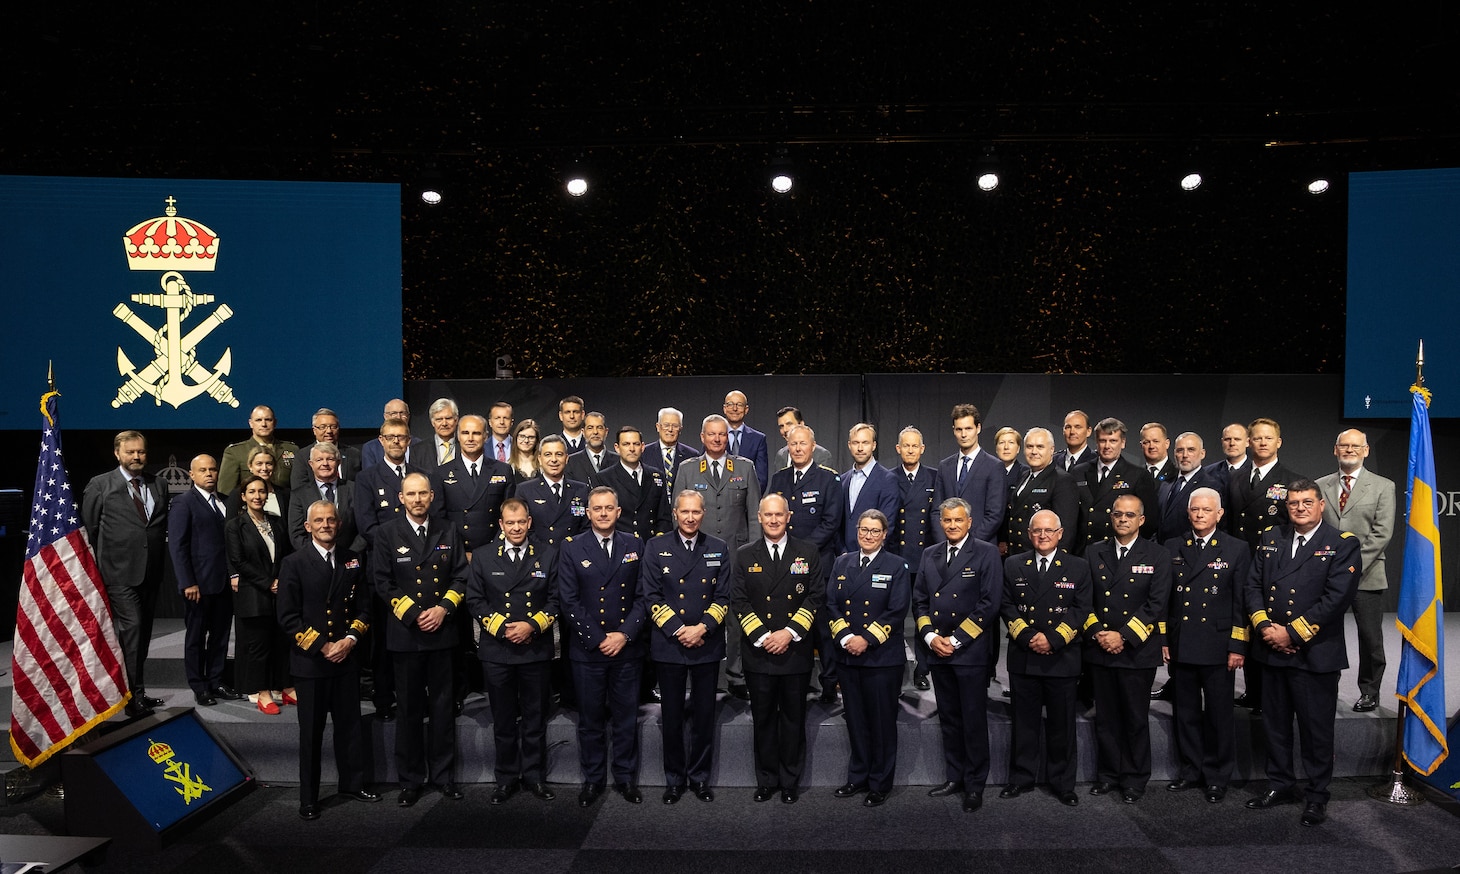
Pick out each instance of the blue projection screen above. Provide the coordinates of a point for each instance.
(185, 303)
(1403, 287)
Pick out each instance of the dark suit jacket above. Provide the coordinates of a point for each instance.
(1131, 597)
(1055, 604)
(553, 520)
(1221, 471)
(1208, 618)
(1165, 473)
(599, 594)
(195, 540)
(1251, 510)
(580, 466)
(129, 551)
(377, 498)
(879, 492)
(350, 465)
(654, 457)
(817, 505)
(233, 506)
(1308, 593)
(961, 600)
(870, 602)
(423, 455)
(500, 592)
(1174, 519)
(983, 489)
(753, 446)
(319, 604)
(249, 560)
(347, 534)
(913, 529)
(768, 597)
(1051, 489)
(471, 506)
(411, 576)
(678, 588)
(1098, 498)
(643, 507)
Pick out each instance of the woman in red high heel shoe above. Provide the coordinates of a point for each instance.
(256, 543)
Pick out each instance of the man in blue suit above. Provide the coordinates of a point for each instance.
(745, 441)
(373, 452)
(973, 475)
(867, 485)
(195, 539)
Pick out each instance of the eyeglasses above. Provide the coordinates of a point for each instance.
(1123, 514)
(1302, 503)
(1044, 532)
(395, 438)
(871, 532)
(735, 405)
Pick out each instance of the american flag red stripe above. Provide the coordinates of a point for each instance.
(67, 663)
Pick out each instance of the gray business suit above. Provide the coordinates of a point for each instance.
(1369, 514)
(130, 555)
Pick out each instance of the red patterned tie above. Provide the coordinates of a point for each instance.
(1348, 484)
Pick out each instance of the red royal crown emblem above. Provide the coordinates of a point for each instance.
(171, 243)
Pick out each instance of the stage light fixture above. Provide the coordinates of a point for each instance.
(781, 173)
(986, 171)
(430, 196)
(576, 179)
(1191, 182)
(1318, 186)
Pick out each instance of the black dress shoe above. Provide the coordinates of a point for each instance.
(828, 695)
(1131, 796)
(1314, 813)
(505, 791)
(136, 709)
(630, 792)
(875, 799)
(1014, 790)
(450, 790)
(541, 790)
(1161, 693)
(1365, 704)
(740, 691)
(764, 793)
(1271, 799)
(850, 789)
(227, 693)
(204, 699)
(309, 811)
(1103, 788)
(702, 791)
(672, 794)
(408, 797)
(920, 681)
(952, 787)
(386, 714)
(1215, 794)
(590, 794)
(789, 796)
(1182, 785)
(364, 795)
(149, 701)
(972, 801)
(1069, 799)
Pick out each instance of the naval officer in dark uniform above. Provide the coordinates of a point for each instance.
(912, 531)
(1043, 487)
(1104, 479)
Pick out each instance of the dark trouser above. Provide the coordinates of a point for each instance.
(734, 670)
(1252, 674)
(423, 689)
(1369, 617)
(1312, 698)
(466, 668)
(1055, 696)
(962, 693)
(870, 698)
(608, 694)
(205, 642)
(260, 654)
(826, 647)
(778, 717)
(521, 696)
(382, 666)
(338, 699)
(700, 679)
(1122, 725)
(132, 611)
(1204, 725)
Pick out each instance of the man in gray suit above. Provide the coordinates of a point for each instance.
(125, 512)
(731, 491)
(1361, 502)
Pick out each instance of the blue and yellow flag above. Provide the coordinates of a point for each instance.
(1421, 619)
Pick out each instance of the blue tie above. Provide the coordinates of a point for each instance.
(963, 471)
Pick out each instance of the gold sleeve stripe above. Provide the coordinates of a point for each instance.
(1304, 629)
(717, 612)
(542, 621)
(493, 624)
(454, 597)
(1091, 621)
(1239, 632)
(879, 631)
(970, 628)
(839, 626)
(803, 618)
(306, 638)
(1064, 630)
(750, 624)
(1161, 626)
(400, 605)
(1017, 627)
(359, 626)
(660, 613)
(925, 623)
(1259, 617)
(1141, 629)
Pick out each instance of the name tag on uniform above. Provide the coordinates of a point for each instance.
(716, 564)
(882, 578)
(702, 486)
(403, 559)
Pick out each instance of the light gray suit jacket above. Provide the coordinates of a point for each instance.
(731, 507)
(1369, 514)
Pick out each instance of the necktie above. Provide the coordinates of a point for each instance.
(446, 453)
(796, 480)
(558, 491)
(715, 472)
(213, 499)
(608, 547)
(329, 559)
(775, 553)
(910, 477)
(963, 470)
(329, 492)
(501, 451)
(1256, 475)
(421, 532)
(1104, 472)
(1298, 544)
(637, 481)
(400, 472)
(1348, 484)
(735, 442)
(668, 460)
(516, 554)
(866, 560)
(1151, 468)
(1043, 564)
(137, 498)
(473, 470)
(597, 460)
(1120, 553)
(689, 545)
(1027, 478)
(952, 551)
(1181, 483)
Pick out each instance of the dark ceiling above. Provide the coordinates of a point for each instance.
(883, 259)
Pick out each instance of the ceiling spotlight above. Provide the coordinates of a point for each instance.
(986, 171)
(575, 179)
(988, 181)
(1191, 182)
(430, 196)
(1318, 186)
(781, 174)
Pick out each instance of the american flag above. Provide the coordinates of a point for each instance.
(67, 663)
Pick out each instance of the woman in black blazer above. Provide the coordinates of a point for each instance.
(256, 542)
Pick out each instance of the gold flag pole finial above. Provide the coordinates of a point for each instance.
(51, 391)
(1419, 375)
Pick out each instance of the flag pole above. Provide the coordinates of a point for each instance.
(1393, 790)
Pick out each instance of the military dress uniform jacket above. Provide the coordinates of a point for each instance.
(870, 602)
(1208, 617)
(1131, 597)
(768, 596)
(1051, 489)
(553, 518)
(233, 466)
(377, 497)
(912, 527)
(1309, 593)
(643, 506)
(678, 588)
(731, 506)
(471, 506)
(581, 467)
(960, 600)
(319, 604)
(1056, 604)
(500, 591)
(412, 575)
(599, 594)
(817, 505)
(1252, 509)
(1097, 499)
(1062, 458)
